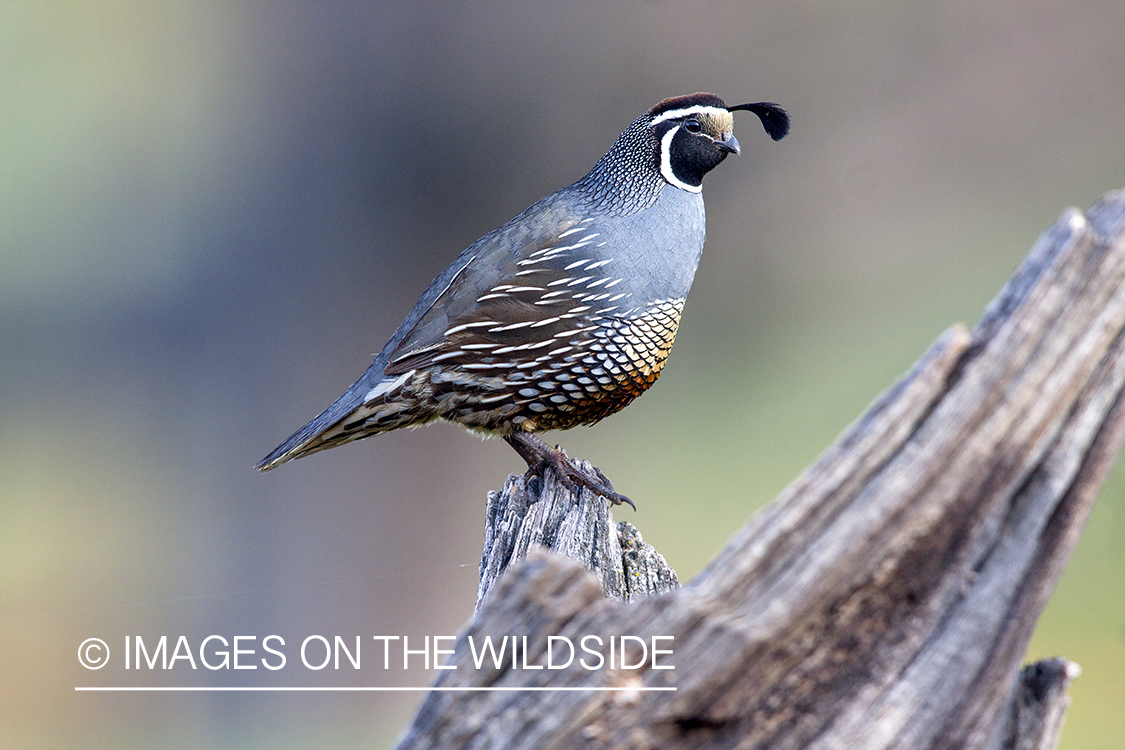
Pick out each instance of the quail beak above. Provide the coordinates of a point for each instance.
(729, 144)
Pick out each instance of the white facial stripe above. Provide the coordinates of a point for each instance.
(698, 109)
(666, 163)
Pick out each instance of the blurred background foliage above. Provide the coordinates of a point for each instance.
(212, 214)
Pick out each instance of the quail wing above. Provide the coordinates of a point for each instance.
(515, 299)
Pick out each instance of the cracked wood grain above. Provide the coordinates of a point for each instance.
(580, 526)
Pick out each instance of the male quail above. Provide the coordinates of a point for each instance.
(563, 315)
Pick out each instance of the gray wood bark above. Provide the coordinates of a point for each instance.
(580, 526)
(885, 599)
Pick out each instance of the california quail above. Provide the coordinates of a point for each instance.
(563, 315)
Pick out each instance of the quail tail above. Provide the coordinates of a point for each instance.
(353, 416)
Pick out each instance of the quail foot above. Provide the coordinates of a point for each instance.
(563, 315)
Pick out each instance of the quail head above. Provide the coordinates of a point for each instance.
(563, 315)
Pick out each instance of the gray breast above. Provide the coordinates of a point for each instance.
(657, 249)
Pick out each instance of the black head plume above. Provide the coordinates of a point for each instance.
(774, 119)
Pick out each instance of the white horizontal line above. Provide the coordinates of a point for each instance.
(448, 689)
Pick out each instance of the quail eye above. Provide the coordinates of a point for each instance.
(693, 126)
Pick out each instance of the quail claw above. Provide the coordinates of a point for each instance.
(540, 457)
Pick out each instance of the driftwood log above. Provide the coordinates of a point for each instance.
(884, 600)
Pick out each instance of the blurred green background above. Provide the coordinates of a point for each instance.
(212, 214)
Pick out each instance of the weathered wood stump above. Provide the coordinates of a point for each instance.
(548, 515)
(884, 600)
